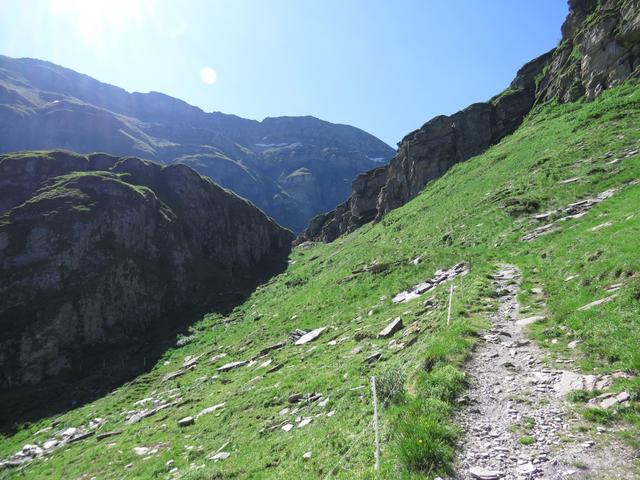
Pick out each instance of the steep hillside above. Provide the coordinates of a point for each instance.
(600, 48)
(291, 167)
(96, 249)
(557, 200)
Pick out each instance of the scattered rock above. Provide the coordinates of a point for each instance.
(208, 410)
(602, 301)
(102, 436)
(569, 180)
(571, 211)
(141, 450)
(393, 327)
(485, 474)
(307, 455)
(275, 346)
(190, 361)
(186, 421)
(49, 444)
(219, 456)
(217, 357)
(172, 375)
(608, 400)
(287, 427)
(439, 277)
(81, 436)
(295, 398)
(529, 320)
(296, 334)
(309, 337)
(232, 365)
(304, 422)
(374, 357)
(275, 368)
(602, 225)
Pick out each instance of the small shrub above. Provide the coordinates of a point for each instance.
(390, 385)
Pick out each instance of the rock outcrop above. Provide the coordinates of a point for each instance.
(293, 168)
(600, 48)
(96, 248)
(427, 153)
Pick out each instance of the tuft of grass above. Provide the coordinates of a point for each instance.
(423, 439)
(527, 440)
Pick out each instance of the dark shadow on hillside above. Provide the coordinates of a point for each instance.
(101, 369)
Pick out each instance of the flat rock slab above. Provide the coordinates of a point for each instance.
(311, 336)
(439, 277)
(208, 410)
(485, 474)
(219, 456)
(275, 346)
(80, 437)
(374, 357)
(529, 320)
(393, 327)
(186, 421)
(172, 375)
(602, 301)
(230, 366)
(104, 435)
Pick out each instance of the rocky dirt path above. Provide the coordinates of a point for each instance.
(516, 425)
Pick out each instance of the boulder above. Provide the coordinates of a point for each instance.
(374, 357)
(391, 328)
(186, 421)
(482, 473)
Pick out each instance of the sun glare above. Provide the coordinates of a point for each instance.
(94, 20)
(208, 75)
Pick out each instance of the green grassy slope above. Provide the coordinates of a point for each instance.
(476, 213)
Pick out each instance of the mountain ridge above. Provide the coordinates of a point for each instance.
(44, 106)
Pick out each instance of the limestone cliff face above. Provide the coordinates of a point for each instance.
(600, 48)
(96, 248)
(427, 153)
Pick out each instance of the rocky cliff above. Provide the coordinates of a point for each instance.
(427, 153)
(44, 106)
(96, 248)
(600, 48)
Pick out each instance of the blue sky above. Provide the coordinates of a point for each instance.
(386, 66)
